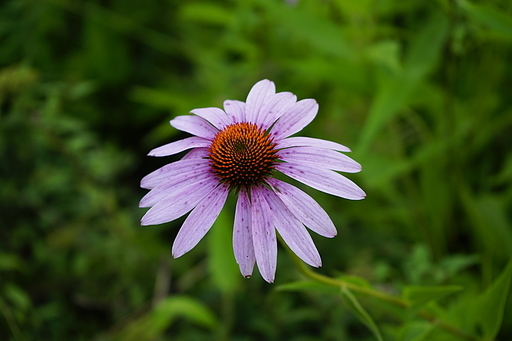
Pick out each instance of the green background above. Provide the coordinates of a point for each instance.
(419, 90)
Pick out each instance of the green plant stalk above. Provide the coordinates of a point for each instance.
(306, 271)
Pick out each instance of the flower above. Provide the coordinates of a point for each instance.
(238, 150)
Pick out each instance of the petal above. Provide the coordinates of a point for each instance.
(242, 235)
(194, 125)
(235, 109)
(297, 117)
(300, 141)
(276, 106)
(263, 235)
(320, 157)
(178, 203)
(174, 183)
(292, 230)
(215, 116)
(304, 207)
(183, 166)
(197, 153)
(179, 146)
(256, 99)
(199, 221)
(323, 180)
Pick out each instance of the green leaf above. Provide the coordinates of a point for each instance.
(489, 17)
(206, 13)
(151, 325)
(225, 272)
(357, 309)
(487, 310)
(394, 92)
(172, 307)
(415, 331)
(311, 286)
(418, 296)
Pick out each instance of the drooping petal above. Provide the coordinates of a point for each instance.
(194, 125)
(179, 146)
(323, 180)
(320, 157)
(242, 235)
(300, 141)
(275, 107)
(215, 116)
(264, 236)
(183, 166)
(178, 203)
(199, 221)
(295, 119)
(173, 183)
(235, 109)
(304, 207)
(292, 230)
(257, 98)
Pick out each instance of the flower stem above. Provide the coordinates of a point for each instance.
(306, 271)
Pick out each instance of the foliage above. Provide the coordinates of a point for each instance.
(420, 90)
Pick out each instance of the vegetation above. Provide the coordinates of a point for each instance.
(420, 90)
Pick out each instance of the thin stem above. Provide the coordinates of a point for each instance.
(305, 270)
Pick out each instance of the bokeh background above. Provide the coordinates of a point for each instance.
(420, 90)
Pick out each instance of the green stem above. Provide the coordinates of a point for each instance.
(306, 271)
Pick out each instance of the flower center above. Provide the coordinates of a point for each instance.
(242, 155)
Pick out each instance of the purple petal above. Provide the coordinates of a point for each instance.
(320, 157)
(323, 180)
(292, 230)
(235, 109)
(264, 236)
(199, 221)
(256, 99)
(179, 202)
(194, 125)
(183, 166)
(215, 116)
(242, 235)
(179, 146)
(275, 107)
(300, 141)
(197, 153)
(304, 207)
(174, 183)
(297, 117)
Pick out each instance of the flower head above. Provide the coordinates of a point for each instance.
(238, 150)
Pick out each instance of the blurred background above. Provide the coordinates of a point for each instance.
(420, 90)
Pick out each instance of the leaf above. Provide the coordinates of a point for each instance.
(415, 331)
(357, 309)
(489, 17)
(418, 296)
(393, 93)
(206, 13)
(487, 310)
(311, 286)
(151, 325)
(225, 272)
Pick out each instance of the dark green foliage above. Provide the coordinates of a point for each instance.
(420, 90)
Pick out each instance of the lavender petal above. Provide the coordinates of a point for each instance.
(292, 230)
(199, 221)
(242, 235)
(304, 207)
(264, 236)
(194, 125)
(179, 146)
(323, 180)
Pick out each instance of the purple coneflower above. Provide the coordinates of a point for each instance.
(238, 149)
